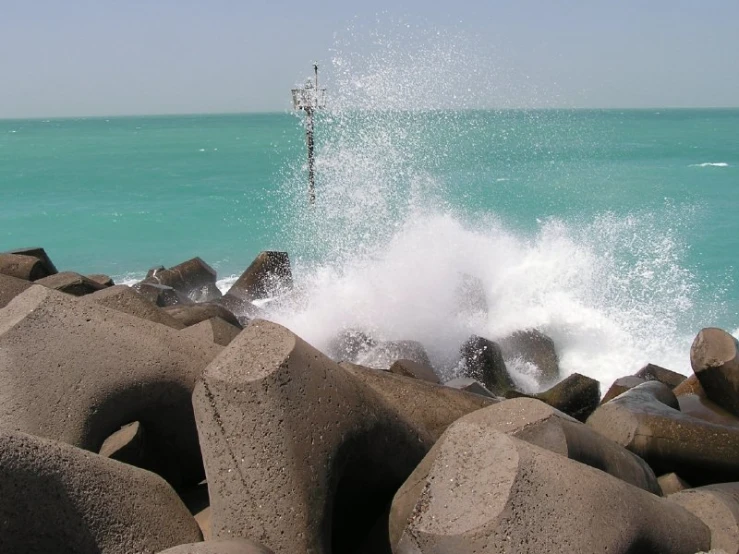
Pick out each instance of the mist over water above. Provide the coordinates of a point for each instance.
(394, 233)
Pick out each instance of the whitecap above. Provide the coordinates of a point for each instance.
(710, 164)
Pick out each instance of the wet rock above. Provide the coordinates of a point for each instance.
(102, 279)
(127, 300)
(161, 295)
(193, 279)
(61, 499)
(384, 354)
(621, 385)
(670, 483)
(296, 446)
(646, 420)
(215, 330)
(506, 495)
(87, 370)
(192, 314)
(244, 310)
(268, 275)
(27, 268)
(229, 546)
(409, 368)
(718, 507)
(469, 385)
(577, 396)
(536, 348)
(350, 344)
(10, 287)
(652, 372)
(70, 282)
(714, 357)
(482, 360)
(38, 253)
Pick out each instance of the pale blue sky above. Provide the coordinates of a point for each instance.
(103, 57)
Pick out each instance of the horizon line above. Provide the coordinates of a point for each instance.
(288, 111)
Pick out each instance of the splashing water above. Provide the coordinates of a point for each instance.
(387, 246)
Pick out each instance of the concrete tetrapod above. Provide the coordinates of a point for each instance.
(232, 546)
(714, 357)
(58, 498)
(537, 423)
(10, 287)
(127, 300)
(718, 507)
(87, 370)
(302, 454)
(647, 421)
(481, 491)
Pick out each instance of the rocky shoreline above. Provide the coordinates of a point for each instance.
(169, 417)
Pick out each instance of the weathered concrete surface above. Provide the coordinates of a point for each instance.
(646, 420)
(538, 423)
(87, 370)
(534, 347)
(296, 446)
(691, 385)
(38, 253)
(470, 385)
(652, 372)
(506, 495)
(61, 499)
(410, 368)
(192, 314)
(27, 268)
(102, 279)
(193, 278)
(70, 282)
(621, 385)
(670, 483)
(268, 275)
(577, 396)
(482, 360)
(702, 408)
(715, 360)
(127, 300)
(231, 546)
(10, 287)
(215, 330)
(161, 295)
(718, 507)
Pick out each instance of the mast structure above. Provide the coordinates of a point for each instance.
(310, 98)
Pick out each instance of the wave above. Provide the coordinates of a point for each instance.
(710, 164)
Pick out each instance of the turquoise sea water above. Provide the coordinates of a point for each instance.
(610, 208)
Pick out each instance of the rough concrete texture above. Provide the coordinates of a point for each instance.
(718, 507)
(506, 495)
(670, 483)
(482, 360)
(161, 295)
(409, 368)
(468, 384)
(537, 423)
(27, 268)
(714, 357)
(10, 287)
(534, 347)
(70, 282)
(702, 408)
(646, 420)
(87, 370)
(192, 314)
(127, 300)
(231, 546)
(302, 454)
(691, 385)
(102, 279)
(384, 354)
(577, 396)
(620, 385)
(215, 330)
(38, 253)
(268, 275)
(193, 278)
(61, 499)
(652, 372)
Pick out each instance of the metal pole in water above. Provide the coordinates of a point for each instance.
(308, 98)
(311, 158)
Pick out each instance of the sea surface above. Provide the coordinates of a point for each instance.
(614, 231)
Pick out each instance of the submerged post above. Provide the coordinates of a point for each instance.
(310, 98)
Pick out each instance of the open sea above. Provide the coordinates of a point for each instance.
(616, 232)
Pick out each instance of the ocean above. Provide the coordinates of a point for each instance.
(613, 231)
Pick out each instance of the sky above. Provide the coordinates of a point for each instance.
(102, 57)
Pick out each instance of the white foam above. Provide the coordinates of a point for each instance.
(710, 164)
